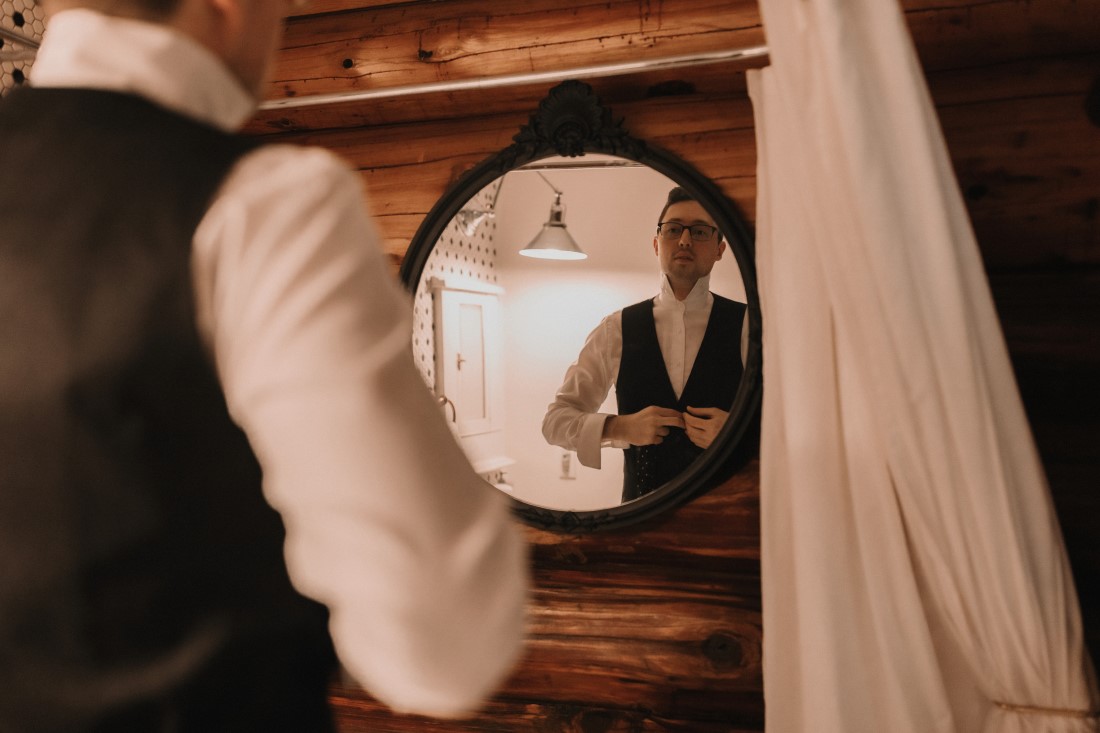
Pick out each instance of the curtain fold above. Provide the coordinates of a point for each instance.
(914, 572)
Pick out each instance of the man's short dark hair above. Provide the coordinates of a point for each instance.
(148, 9)
(154, 8)
(165, 7)
(675, 196)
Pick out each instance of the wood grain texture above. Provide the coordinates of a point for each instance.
(651, 629)
(356, 714)
(1027, 158)
(709, 80)
(416, 43)
(373, 45)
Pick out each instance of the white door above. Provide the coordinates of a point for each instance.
(465, 359)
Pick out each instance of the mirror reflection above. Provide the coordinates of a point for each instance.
(524, 352)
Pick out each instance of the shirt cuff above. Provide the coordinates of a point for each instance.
(590, 440)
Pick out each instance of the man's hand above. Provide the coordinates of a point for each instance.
(645, 427)
(703, 424)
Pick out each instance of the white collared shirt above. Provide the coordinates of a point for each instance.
(416, 557)
(571, 420)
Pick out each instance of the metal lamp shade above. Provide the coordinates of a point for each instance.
(554, 241)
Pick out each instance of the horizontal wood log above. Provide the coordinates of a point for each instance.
(1027, 158)
(947, 35)
(656, 629)
(677, 599)
(371, 45)
(706, 81)
(959, 35)
(360, 714)
(318, 7)
(415, 43)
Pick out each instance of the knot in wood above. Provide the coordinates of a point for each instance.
(723, 650)
(570, 556)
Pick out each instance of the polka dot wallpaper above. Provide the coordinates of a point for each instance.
(459, 257)
(21, 26)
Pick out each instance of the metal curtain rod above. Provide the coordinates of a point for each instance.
(580, 165)
(506, 80)
(17, 38)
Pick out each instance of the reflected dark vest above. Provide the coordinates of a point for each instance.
(643, 381)
(142, 580)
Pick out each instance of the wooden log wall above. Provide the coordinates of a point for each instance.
(658, 628)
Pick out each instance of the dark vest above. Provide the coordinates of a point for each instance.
(643, 381)
(142, 580)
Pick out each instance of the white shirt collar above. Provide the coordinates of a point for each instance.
(86, 49)
(699, 297)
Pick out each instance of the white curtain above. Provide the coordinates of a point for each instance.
(915, 579)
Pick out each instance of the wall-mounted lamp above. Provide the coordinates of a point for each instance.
(554, 242)
(470, 219)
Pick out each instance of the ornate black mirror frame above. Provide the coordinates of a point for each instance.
(571, 121)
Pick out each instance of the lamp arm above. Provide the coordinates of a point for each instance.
(551, 185)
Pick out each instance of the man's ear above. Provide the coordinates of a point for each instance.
(656, 252)
(230, 11)
(226, 16)
(721, 248)
(213, 23)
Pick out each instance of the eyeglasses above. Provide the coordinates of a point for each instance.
(673, 230)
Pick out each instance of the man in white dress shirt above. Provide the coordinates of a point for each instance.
(675, 361)
(180, 308)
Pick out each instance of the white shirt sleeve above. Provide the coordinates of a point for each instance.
(572, 421)
(417, 558)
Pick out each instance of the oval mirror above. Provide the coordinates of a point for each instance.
(497, 332)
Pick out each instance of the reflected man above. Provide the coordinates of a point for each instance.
(675, 361)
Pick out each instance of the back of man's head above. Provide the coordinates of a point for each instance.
(146, 9)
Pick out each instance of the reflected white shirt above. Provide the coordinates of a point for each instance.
(572, 421)
(423, 571)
